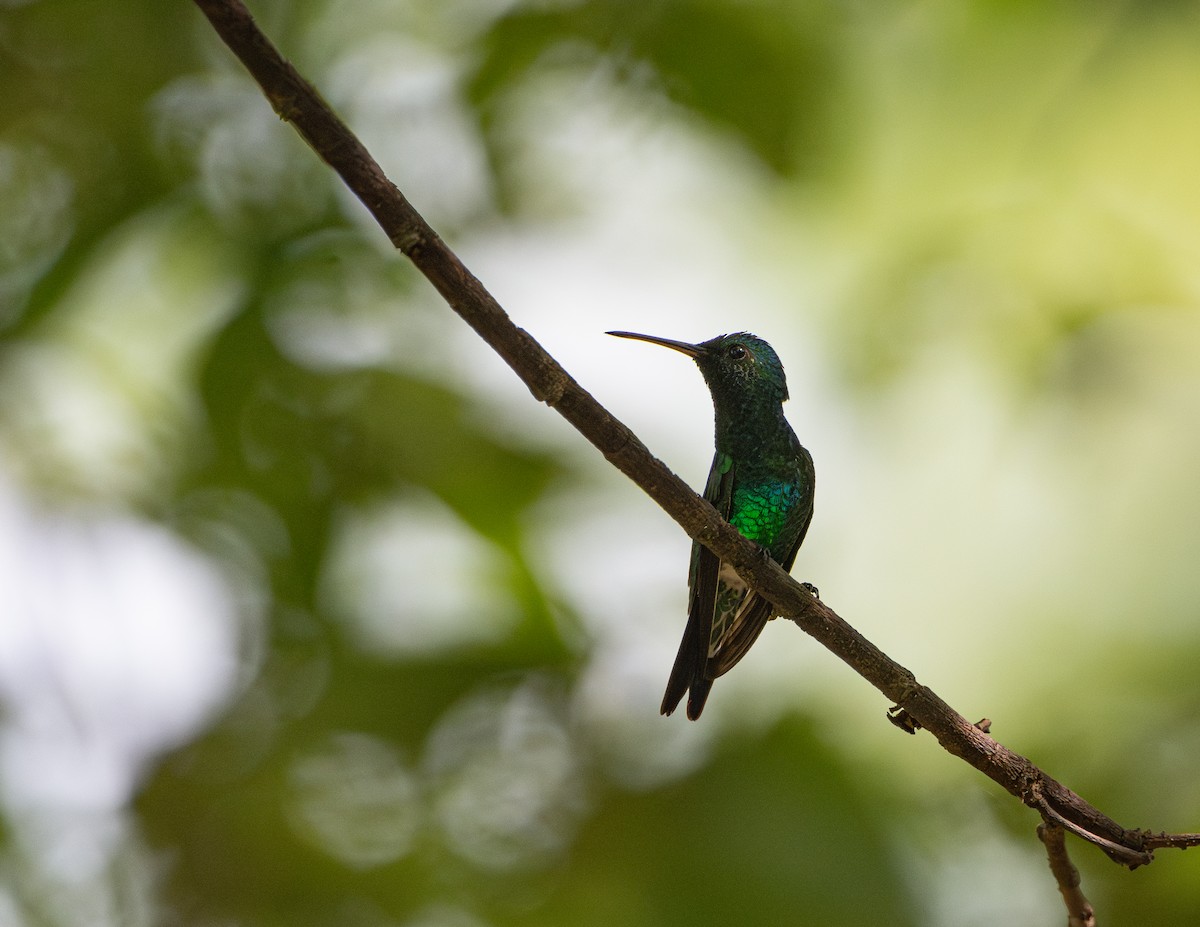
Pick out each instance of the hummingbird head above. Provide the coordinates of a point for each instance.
(734, 365)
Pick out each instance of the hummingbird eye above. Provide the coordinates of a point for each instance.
(736, 352)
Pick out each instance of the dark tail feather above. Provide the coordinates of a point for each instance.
(691, 662)
(688, 673)
(701, 686)
(672, 696)
(678, 684)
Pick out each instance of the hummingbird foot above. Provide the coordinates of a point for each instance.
(811, 590)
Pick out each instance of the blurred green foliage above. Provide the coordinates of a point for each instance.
(763, 73)
(1007, 183)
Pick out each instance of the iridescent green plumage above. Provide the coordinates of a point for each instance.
(762, 482)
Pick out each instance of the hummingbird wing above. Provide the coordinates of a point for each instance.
(741, 634)
(689, 671)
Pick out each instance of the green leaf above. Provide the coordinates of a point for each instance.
(761, 73)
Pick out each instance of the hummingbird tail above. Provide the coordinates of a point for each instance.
(697, 688)
(677, 686)
(691, 662)
(701, 686)
(688, 673)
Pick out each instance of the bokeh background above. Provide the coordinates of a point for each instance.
(310, 615)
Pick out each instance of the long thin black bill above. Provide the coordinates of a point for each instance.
(691, 350)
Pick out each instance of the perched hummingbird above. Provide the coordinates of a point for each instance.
(762, 483)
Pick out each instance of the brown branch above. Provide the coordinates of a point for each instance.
(1079, 909)
(1172, 841)
(296, 101)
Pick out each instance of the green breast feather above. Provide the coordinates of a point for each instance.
(761, 512)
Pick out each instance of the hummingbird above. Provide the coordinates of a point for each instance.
(762, 482)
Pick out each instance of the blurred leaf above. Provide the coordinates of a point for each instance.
(761, 72)
(67, 100)
(775, 831)
(307, 442)
(296, 433)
